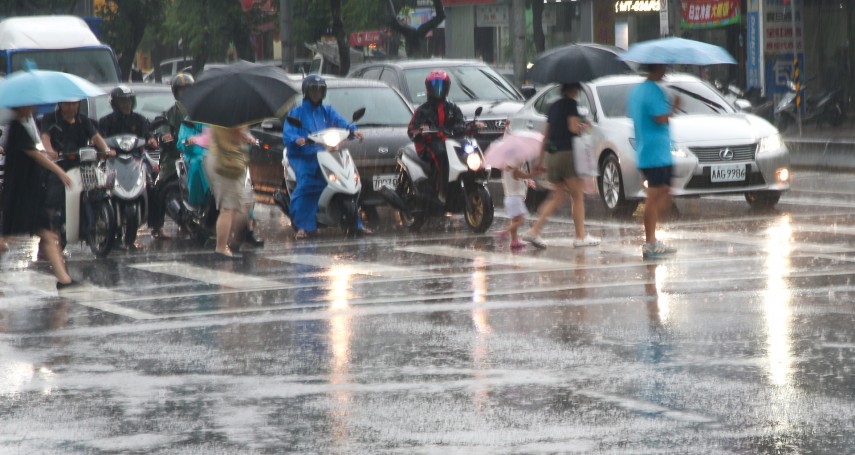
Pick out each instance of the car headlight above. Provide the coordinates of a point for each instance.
(679, 151)
(770, 144)
(474, 161)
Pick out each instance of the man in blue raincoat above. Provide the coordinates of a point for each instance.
(314, 116)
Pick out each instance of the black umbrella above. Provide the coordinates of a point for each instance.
(239, 94)
(576, 63)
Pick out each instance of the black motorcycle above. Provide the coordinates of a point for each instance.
(823, 107)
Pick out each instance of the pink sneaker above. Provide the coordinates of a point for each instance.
(517, 244)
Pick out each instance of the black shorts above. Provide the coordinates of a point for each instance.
(658, 176)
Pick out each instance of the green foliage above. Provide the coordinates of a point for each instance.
(125, 23)
(204, 28)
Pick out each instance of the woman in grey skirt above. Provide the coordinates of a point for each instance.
(225, 167)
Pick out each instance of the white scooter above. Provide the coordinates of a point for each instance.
(130, 194)
(465, 190)
(339, 202)
(88, 207)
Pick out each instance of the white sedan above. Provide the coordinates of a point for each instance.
(716, 148)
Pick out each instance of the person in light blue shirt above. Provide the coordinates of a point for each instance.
(650, 109)
(314, 116)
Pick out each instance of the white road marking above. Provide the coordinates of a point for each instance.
(358, 267)
(488, 257)
(210, 276)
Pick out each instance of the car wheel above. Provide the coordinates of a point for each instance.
(612, 189)
(762, 200)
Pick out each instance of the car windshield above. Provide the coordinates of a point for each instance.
(149, 104)
(383, 106)
(96, 65)
(468, 83)
(698, 98)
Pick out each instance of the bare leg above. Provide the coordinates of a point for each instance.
(516, 222)
(657, 198)
(557, 197)
(50, 243)
(224, 227)
(577, 194)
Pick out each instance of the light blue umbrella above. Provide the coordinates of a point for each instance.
(673, 51)
(33, 87)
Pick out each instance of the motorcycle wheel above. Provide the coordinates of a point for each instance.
(349, 216)
(131, 225)
(414, 220)
(100, 235)
(480, 216)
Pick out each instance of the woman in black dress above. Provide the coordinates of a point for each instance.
(23, 211)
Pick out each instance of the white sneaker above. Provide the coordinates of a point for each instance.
(589, 240)
(534, 240)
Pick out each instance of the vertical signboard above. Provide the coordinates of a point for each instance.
(780, 39)
(664, 28)
(754, 50)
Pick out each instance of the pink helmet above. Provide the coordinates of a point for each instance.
(437, 84)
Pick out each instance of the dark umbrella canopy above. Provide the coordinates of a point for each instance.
(239, 94)
(577, 63)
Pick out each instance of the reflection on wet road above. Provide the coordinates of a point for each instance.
(448, 341)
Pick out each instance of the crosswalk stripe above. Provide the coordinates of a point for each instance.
(492, 258)
(358, 267)
(30, 282)
(210, 276)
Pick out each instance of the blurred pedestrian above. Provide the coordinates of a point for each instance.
(650, 109)
(563, 124)
(23, 201)
(225, 167)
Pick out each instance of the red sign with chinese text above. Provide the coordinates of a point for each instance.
(365, 38)
(709, 13)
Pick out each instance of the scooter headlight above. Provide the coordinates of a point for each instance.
(332, 139)
(474, 161)
(771, 143)
(126, 143)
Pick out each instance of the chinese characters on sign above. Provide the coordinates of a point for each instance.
(709, 13)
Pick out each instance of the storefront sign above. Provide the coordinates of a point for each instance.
(492, 16)
(754, 56)
(365, 38)
(466, 2)
(778, 28)
(709, 13)
(636, 6)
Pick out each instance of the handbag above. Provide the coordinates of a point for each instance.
(231, 163)
(583, 156)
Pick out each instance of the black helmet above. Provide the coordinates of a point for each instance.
(181, 80)
(122, 92)
(314, 81)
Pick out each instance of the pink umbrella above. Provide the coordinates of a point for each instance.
(514, 149)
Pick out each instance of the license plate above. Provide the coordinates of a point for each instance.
(727, 173)
(382, 180)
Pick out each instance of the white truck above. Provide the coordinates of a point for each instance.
(58, 43)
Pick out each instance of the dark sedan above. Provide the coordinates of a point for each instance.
(384, 126)
(473, 84)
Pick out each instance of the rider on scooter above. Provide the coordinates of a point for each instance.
(436, 114)
(314, 116)
(64, 131)
(123, 119)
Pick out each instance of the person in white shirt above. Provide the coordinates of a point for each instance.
(515, 182)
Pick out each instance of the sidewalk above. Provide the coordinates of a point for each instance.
(825, 148)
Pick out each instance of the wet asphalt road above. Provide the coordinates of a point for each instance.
(448, 342)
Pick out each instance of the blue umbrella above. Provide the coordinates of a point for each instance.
(673, 50)
(35, 87)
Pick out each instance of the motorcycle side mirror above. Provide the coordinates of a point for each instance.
(743, 105)
(528, 91)
(293, 121)
(358, 114)
(479, 111)
(272, 124)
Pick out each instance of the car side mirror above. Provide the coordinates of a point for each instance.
(528, 91)
(742, 105)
